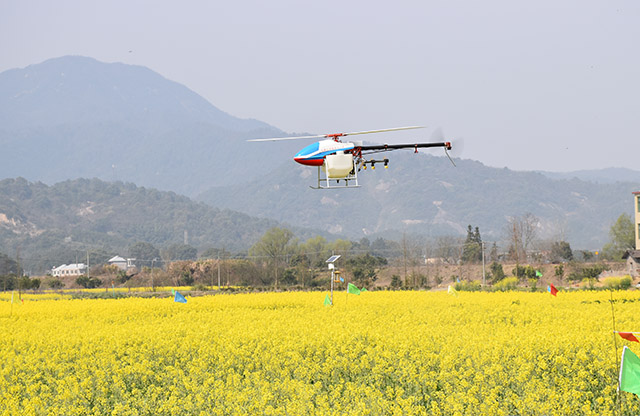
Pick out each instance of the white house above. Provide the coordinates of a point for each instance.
(122, 263)
(75, 269)
(633, 256)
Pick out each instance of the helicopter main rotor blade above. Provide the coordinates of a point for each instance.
(334, 135)
(275, 139)
(382, 131)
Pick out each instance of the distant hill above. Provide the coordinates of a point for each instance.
(50, 225)
(425, 194)
(73, 117)
(607, 175)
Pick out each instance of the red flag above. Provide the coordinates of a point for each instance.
(628, 336)
(552, 289)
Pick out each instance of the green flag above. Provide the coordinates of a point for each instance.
(538, 273)
(353, 289)
(364, 289)
(327, 301)
(630, 372)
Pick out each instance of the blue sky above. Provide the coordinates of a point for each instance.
(549, 85)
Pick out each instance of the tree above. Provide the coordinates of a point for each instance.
(26, 283)
(144, 253)
(316, 250)
(561, 251)
(622, 238)
(363, 268)
(302, 269)
(493, 254)
(180, 252)
(8, 265)
(472, 248)
(411, 257)
(181, 272)
(448, 248)
(275, 246)
(215, 253)
(521, 232)
(341, 247)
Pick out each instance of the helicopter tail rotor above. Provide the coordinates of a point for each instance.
(457, 147)
(454, 147)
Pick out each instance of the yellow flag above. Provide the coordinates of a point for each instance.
(452, 291)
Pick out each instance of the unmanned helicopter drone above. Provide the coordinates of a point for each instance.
(339, 162)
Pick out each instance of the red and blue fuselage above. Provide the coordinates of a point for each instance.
(314, 154)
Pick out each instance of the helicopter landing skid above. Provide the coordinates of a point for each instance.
(325, 182)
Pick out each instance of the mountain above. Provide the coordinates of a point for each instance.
(73, 117)
(607, 175)
(50, 225)
(425, 194)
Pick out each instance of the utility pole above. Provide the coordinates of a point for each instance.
(153, 289)
(19, 274)
(332, 267)
(483, 274)
(515, 243)
(404, 257)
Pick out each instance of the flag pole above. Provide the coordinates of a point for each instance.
(347, 295)
(615, 343)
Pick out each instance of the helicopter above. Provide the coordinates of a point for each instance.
(339, 162)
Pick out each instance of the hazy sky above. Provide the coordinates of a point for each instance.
(546, 84)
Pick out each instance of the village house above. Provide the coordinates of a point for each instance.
(75, 269)
(633, 256)
(122, 263)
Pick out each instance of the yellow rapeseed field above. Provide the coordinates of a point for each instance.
(380, 353)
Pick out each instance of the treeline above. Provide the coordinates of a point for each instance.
(281, 260)
(51, 225)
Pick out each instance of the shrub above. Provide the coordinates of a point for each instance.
(525, 272)
(88, 282)
(496, 272)
(396, 281)
(26, 283)
(506, 284)
(588, 283)
(8, 282)
(588, 272)
(54, 283)
(618, 282)
(468, 286)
